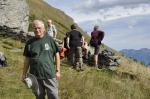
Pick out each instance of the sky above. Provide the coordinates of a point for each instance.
(126, 23)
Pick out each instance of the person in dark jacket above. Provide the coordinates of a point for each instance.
(75, 42)
(96, 37)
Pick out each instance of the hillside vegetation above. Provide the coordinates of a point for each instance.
(128, 81)
(41, 10)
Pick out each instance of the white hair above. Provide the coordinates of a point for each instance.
(38, 22)
(49, 20)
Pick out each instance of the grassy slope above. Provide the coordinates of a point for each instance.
(41, 10)
(130, 80)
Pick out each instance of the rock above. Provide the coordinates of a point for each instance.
(14, 16)
(108, 58)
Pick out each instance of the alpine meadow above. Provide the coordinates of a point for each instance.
(130, 80)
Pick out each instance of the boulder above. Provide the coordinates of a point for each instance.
(14, 16)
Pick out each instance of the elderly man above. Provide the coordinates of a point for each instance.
(39, 55)
(52, 29)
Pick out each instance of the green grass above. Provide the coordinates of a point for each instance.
(90, 84)
(129, 81)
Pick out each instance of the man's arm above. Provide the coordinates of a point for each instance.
(57, 66)
(102, 34)
(82, 39)
(25, 68)
(68, 39)
(55, 31)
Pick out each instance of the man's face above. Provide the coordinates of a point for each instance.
(38, 30)
(49, 22)
(98, 28)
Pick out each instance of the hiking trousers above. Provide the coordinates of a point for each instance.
(49, 87)
(78, 58)
(75, 57)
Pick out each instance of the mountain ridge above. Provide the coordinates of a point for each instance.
(141, 55)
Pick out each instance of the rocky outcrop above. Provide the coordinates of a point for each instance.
(14, 16)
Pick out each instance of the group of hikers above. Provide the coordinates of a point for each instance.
(42, 55)
(77, 48)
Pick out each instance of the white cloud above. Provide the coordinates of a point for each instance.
(97, 4)
(105, 10)
(102, 10)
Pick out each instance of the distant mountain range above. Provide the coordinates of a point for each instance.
(142, 55)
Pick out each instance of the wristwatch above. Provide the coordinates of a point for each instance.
(56, 70)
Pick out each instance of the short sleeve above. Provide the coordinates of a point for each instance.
(68, 34)
(101, 35)
(55, 46)
(91, 34)
(54, 29)
(26, 51)
(80, 35)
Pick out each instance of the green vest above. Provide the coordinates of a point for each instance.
(41, 53)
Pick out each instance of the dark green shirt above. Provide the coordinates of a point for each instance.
(41, 53)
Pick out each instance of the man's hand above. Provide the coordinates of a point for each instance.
(57, 66)
(25, 69)
(23, 78)
(57, 75)
(68, 46)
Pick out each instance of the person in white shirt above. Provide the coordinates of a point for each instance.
(51, 29)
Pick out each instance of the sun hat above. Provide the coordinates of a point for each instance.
(31, 82)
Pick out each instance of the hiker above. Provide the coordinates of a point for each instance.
(3, 61)
(85, 49)
(66, 45)
(62, 50)
(51, 29)
(96, 37)
(75, 41)
(39, 55)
